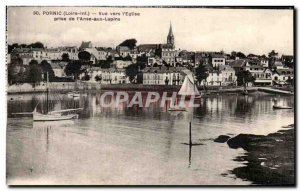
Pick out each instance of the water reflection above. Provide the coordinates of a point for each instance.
(134, 140)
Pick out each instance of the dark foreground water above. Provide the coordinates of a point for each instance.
(135, 145)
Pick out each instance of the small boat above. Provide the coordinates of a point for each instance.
(188, 89)
(73, 94)
(53, 117)
(177, 108)
(281, 107)
(56, 115)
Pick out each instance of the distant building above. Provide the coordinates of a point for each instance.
(228, 75)
(282, 76)
(185, 57)
(52, 54)
(148, 49)
(58, 69)
(163, 75)
(102, 53)
(214, 78)
(264, 62)
(278, 64)
(26, 59)
(202, 58)
(217, 60)
(114, 76)
(155, 61)
(107, 76)
(86, 45)
(121, 63)
(124, 51)
(238, 65)
(263, 76)
(72, 51)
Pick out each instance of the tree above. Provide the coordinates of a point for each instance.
(272, 58)
(273, 54)
(36, 45)
(84, 55)
(244, 77)
(11, 47)
(290, 81)
(73, 69)
(131, 71)
(201, 73)
(46, 67)
(240, 55)
(289, 62)
(34, 73)
(130, 43)
(15, 71)
(127, 58)
(86, 77)
(106, 63)
(16, 45)
(65, 57)
(98, 78)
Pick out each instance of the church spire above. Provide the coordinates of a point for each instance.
(170, 30)
(171, 38)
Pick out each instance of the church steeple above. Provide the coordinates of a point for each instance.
(170, 38)
(170, 30)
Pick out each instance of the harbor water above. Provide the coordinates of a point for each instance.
(133, 145)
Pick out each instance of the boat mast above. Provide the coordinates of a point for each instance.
(47, 93)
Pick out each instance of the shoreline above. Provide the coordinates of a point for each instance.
(270, 159)
(92, 87)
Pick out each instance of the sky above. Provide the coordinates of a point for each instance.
(255, 31)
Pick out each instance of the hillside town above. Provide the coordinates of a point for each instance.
(149, 64)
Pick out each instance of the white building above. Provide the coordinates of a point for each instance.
(263, 76)
(107, 76)
(228, 75)
(57, 69)
(214, 79)
(121, 63)
(163, 76)
(72, 51)
(217, 60)
(282, 76)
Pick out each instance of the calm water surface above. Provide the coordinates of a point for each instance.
(121, 145)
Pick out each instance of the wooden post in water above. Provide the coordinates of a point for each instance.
(190, 143)
(47, 93)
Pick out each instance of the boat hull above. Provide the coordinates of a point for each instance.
(176, 109)
(281, 107)
(41, 117)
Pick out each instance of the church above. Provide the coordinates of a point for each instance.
(166, 51)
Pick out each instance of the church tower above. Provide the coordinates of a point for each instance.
(170, 38)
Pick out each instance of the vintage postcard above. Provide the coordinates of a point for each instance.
(150, 96)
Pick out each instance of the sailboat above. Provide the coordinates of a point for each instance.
(53, 115)
(188, 89)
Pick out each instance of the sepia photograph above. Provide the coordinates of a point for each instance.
(150, 95)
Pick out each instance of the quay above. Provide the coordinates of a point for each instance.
(84, 86)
